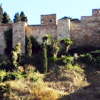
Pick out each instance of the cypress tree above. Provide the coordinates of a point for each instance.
(45, 60)
(17, 18)
(23, 17)
(46, 41)
(6, 18)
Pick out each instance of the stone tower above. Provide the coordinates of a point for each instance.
(48, 19)
(19, 35)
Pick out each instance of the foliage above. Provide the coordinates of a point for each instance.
(20, 17)
(67, 59)
(4, 91)
(45, 59)
(83, 49)
(6, 18)
(28, 47)
(92, 58)
(6, 65)
(23, 17)
(35, 76)
(17, 49)
(10, 76)
(47, 38)
(55, 48)
(1, 14)
(17, 18)
(68, 42)
(75, 68)
(2, 75)
(16, 56)
(8, 40)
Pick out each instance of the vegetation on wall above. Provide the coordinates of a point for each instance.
(28, 47)
(68, 42)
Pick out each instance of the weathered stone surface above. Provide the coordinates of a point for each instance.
(3, 28)
(19, 35)
(63, 29)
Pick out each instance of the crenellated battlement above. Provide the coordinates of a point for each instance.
(95, 16)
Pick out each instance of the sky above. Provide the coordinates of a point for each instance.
(34, 8)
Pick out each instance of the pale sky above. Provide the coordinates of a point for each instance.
(34, 8)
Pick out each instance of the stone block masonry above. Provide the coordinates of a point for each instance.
(84, 32)
(3, 28)
(19, 35)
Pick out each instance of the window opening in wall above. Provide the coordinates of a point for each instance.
(50, 20)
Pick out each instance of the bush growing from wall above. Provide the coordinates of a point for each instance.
(67, 43)
(16, 56)
(92, 58)
(28, 47)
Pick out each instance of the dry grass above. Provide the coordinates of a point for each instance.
(26, 90)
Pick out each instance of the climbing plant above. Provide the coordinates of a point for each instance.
(28, 47)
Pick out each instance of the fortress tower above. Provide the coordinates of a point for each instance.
(49, 19)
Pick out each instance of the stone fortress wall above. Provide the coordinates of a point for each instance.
(84, 32)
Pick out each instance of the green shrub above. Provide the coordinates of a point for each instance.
(2, 75)
(10, 76)
(16, 56)
(6, 65)
(35, 76)
(67, 59)
(4, 91)
(92, 58)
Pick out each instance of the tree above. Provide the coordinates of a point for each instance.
(29, 47)
(6, 18)
(1, 14)
(45, 59)
(23, 17)
(68, 42)
(17, 18)
(55, 48)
